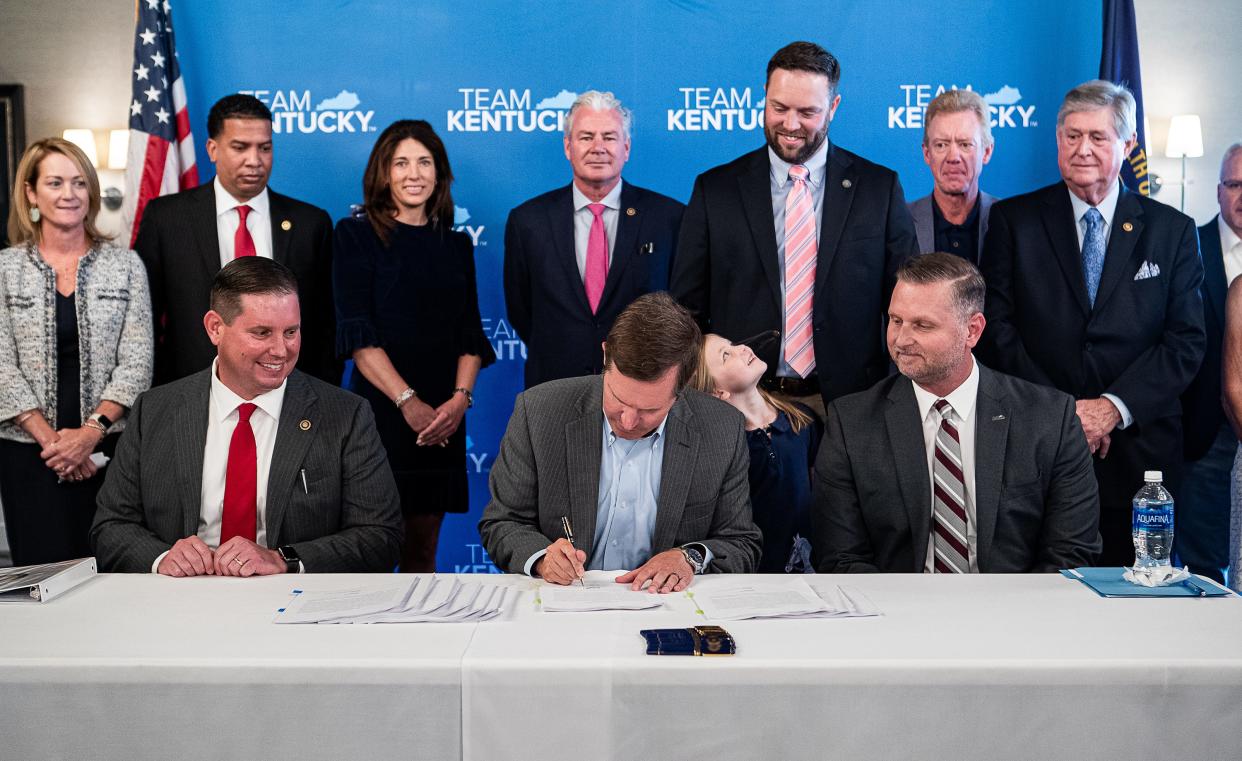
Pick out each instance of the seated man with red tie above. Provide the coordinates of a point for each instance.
(249, 467)
(951, 467)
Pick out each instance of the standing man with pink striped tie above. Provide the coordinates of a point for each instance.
(576, 256)
(801, 238)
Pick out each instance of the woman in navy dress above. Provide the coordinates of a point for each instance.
(783, 438)
(408, 315)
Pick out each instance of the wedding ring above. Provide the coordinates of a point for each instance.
(239, 561)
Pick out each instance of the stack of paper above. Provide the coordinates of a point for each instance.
(599, 590)
(417, 600)
(777, 598)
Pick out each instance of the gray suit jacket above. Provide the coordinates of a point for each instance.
(348, 518)
(548, 467)
(925, 226)
(1036, 504)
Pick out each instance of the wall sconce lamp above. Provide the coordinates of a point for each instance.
(1185, 141)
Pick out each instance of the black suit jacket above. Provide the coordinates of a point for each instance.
(177, 242)
(1202, 411)
(728, 275)
(330, 492)
(544, 294)
(1143, 340)
(1036, 503)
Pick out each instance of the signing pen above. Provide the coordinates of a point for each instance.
(304, 489)
(569, 534)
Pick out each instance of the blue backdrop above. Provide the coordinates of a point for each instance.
(495, 78)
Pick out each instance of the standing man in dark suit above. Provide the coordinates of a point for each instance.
(185, 238)
(1094, 290)
(951, 467)
(957, 142)
(650, 474)
(576, 256)
(249, 467)
(799, 238)
(1201, 537)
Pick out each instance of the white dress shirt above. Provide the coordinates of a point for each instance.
(258, 222)
(583, 219)
(1107, 209)
(1231, 250)
(962, 399)
(221, 421)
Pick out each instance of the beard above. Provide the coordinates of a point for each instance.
(811, 143)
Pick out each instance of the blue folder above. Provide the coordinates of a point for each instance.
(1108, 582)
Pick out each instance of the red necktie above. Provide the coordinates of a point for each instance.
(241, 480)
(243, 244)
(597, 258)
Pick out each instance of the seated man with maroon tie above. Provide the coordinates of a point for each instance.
(249, 467)
(951, 467)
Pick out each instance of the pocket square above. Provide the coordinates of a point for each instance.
(1148, 270)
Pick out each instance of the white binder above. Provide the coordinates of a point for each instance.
(40, 583)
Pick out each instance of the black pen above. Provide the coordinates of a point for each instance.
(569, 534)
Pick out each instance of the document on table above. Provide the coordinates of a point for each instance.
(777, 598)
(599, 591)
(419, 600)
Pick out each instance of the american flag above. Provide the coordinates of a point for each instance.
(161, 146)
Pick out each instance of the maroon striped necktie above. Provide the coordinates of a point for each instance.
(952, 554)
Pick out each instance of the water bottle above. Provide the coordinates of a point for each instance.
(1153, 522)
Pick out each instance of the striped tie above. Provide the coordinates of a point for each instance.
(800, 253)
(948, 498)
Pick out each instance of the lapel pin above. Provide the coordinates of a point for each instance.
(1127, 226)
(286, 225)
(631, 211)
(997, 417)
(846, 184)
(304, 425)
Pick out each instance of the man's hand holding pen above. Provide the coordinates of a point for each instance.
(562, 564)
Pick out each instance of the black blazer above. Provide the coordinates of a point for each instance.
(177, 242)
(544, 294)
(1202, 410)
(1143, 340)
(1036, 503)
(727, 273)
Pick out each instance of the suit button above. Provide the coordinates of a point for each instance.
(1087, 347)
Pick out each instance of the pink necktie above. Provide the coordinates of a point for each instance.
(243, 244)
(597, 257)
(800, 254)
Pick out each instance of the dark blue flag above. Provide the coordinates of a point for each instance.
(1119, 62)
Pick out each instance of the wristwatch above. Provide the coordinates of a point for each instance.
(293, 564)
(694, 557)
(102, 420)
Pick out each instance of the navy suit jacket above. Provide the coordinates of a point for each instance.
(1202, 411)
(727, 273)
(1143, 340)
(544, 294)
(1036, 502)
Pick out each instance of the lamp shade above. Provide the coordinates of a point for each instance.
(118, 148)
(84, 139)
(1185, 137)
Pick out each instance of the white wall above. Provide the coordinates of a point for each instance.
(1191, 53)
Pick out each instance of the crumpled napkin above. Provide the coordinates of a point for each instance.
(1158, 576)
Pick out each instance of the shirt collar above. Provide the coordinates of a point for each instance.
(611, 201)
(1107, 207)
(815, 166)
(961, 399)
(610, 437)
(224, 401)
(972, 218)
(226, 202)
(1228, 238)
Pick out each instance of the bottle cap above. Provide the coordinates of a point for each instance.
(1153, 475)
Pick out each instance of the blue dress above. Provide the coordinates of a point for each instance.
(417, 299)
(780, 492)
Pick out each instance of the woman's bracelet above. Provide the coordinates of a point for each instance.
(404, 397)
(468, 393)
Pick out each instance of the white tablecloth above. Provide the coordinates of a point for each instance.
(978, 667)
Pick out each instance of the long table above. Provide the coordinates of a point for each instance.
(962, 667)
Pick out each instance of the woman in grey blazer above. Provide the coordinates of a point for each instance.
(75, 352)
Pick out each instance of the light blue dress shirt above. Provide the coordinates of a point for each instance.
(629, 487)
(817, 170)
